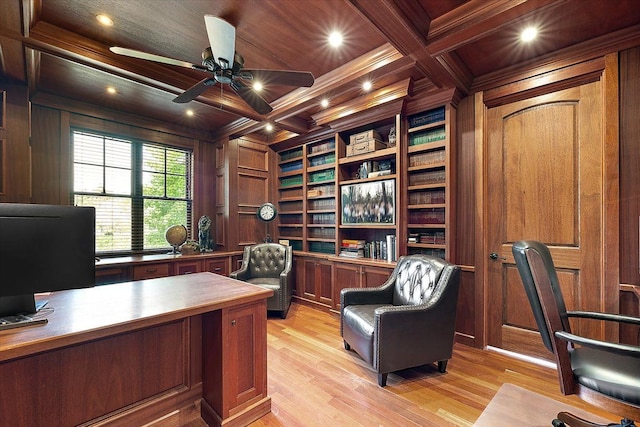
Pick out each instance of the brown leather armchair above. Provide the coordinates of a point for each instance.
(269, 265)
(409, 321)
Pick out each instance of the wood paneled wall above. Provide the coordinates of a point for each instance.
(630, 166)
(15, 168)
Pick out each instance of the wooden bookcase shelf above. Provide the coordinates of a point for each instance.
(415, 172)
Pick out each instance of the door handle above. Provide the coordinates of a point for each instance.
(495, 256)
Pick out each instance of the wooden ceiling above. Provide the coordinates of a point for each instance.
(58, 48)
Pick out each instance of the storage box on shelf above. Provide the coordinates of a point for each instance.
(429, 182)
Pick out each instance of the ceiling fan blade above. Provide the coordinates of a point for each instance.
(151, 57)
(254, 100)
(285, 78)
(222, 39)
(194, 91)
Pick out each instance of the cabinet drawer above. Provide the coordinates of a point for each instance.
(150, 271)
(218, 266)
(187, 267)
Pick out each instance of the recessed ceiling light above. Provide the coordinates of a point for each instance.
(324, 103)
(528, 34)
(268, 127)
(189, 113)
(111, 90)
(367, 85)
(104, 20)
(257, 86)
(335, 39)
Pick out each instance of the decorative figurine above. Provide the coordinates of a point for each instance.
(204, 234)
(392, 136)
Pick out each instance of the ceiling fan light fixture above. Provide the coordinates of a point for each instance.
(104, 20)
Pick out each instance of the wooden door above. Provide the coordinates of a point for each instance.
(545, 182)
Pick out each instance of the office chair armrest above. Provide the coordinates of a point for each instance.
(623, 349)
(605, 316)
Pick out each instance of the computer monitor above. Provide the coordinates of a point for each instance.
(43, 248)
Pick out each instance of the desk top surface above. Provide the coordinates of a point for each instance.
(85, 314)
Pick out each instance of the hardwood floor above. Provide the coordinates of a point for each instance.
(314, 381)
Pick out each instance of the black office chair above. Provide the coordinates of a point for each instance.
(602, 373)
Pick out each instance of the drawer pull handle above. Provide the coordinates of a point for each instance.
(217, 269)
(151, 270)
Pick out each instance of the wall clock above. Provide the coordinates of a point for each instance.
(267, 212)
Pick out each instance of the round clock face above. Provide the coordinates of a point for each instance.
(267, 212)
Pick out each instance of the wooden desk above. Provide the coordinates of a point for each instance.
(141, 352)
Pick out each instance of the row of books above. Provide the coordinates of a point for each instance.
(378, 249)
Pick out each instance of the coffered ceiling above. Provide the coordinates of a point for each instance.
(60, 50)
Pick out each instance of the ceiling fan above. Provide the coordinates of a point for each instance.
(226, 65)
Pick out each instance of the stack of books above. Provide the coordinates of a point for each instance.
(352, 248)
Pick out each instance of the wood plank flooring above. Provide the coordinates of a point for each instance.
(314, 381)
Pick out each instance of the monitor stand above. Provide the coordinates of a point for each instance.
(12, 311)
(17, 304)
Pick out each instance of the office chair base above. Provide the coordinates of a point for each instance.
(566, 419)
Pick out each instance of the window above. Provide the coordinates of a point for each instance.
(139, 189)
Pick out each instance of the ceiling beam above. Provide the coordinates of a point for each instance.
(401, 32)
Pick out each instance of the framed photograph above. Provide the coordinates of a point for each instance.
(369, 203)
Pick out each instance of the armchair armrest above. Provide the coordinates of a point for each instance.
(393, 332)
(623, 349)
(243, 272)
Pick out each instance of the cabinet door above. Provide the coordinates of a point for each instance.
(247, 353)
(234, 361)
(374, 276)
(317, 281)
(187, 267)
(150, 271)
(346, 276)
(298, 271)
(217, 265)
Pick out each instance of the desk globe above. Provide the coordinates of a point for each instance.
(176, 235)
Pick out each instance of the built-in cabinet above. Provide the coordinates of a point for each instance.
(316, 286)
(392, 197)
(348, 275)
(143, 267)
(430, 182)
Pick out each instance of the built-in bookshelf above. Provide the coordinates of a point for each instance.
(321, 196)
(291, 197)
(369, 191)
(429, 183)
